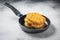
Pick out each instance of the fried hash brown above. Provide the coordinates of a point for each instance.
(34, 20)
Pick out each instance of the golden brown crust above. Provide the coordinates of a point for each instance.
(34, 20)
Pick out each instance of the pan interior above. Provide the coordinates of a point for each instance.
(21, 21)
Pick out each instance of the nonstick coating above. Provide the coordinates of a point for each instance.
(25, 29)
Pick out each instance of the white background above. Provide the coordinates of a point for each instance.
(10, 28)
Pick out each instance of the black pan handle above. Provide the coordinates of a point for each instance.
(13, 9)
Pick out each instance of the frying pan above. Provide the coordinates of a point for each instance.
(21, 21)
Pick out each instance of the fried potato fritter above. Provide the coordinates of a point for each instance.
(34, 20)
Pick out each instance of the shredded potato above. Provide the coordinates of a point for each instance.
(34, 20)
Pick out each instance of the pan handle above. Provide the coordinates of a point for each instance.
(13, 9)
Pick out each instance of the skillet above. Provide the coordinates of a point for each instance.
(21, 21)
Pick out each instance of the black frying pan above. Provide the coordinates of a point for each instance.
(21, 21)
